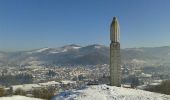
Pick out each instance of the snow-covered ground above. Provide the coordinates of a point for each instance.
(17, 97)
(104, 92)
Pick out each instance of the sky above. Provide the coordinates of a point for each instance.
(30, 24)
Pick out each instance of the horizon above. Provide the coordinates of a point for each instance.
(80, 46)
(27, 25)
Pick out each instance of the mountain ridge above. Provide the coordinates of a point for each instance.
(84, 55)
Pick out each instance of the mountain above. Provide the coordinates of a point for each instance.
(105, 92)
(87, 55)
(151, 55)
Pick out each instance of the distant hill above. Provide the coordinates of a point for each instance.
(88, 55)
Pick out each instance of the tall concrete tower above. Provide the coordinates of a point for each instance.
(115, 68)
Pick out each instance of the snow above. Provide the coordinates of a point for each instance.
(25, 87)
(17, 97)
(76, 47)
(41, 50)
(154, 84)
(49, 83)
(35, 62)
(65, 50)
(70, 48)
(97, 47)
(104, 92)
(54, 52)
(28, 87)
(138, 61)
(68, 82)
(146, 75)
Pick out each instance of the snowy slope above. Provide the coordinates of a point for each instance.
(17, 97)
(41, 50)
(104, 92)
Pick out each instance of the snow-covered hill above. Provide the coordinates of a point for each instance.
(85, 55)
(104, 92)
(66, 48)
(17, 97)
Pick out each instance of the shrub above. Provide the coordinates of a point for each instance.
(19, 91)
(43, 93)
(2, 92)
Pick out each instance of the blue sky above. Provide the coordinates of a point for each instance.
(30, 24)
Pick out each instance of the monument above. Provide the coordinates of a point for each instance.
(115, 68)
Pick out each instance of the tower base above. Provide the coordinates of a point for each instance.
(115, 67)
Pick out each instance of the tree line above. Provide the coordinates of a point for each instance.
(8, 80)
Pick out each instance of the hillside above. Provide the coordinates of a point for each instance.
(88, 55)
(104, 92)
